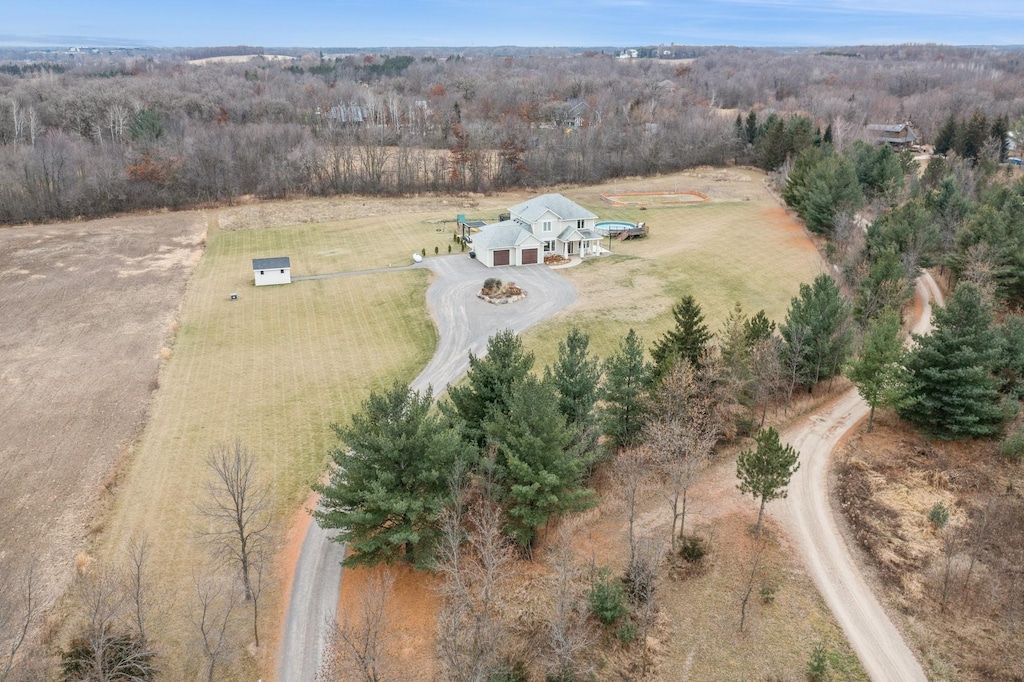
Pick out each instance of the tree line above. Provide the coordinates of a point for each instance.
(109, 134)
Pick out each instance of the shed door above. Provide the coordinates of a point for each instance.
(501, 257)
(529, 256)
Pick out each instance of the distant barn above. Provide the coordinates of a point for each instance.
(272, 270)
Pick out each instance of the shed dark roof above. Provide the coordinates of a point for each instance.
(271, 263)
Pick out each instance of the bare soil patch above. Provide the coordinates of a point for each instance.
(87, 309)
(888, 483)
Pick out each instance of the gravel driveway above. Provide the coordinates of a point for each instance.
(464, 324)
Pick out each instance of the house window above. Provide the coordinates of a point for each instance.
(549, 246)
(547, 226)
(282, 272)
(580, 223)
(262, 273)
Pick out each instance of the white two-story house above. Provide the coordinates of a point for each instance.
(545, 225)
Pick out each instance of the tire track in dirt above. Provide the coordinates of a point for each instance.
(809, 518)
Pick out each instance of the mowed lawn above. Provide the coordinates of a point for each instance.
(721, 253)
(278, 365)
(273, 368)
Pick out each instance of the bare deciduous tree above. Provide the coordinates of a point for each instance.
(683, 433)
(632, 471)
(238, 507)
(212, 614)
(474, 558)
(361, 640)
(108, 647)
(15, 625)
(570, 635)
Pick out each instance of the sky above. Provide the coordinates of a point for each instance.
(527, 23)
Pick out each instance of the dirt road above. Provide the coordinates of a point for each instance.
(464, 324)
(808, 516)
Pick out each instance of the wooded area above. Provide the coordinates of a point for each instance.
(98, 134)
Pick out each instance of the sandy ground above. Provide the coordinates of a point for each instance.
(85, 309)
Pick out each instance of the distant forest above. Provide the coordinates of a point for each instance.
(111, 132)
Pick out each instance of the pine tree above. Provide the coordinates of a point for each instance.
(884, 287)
(878, 368)
(947, 135)
(765, 472)
(489, 384)
(817, 333)
(953, 390)
(390, 484)
(576, 376)
(533, 477)
(688, 340)
(628, 378)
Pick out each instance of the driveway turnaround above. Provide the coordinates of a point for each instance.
(464, 323)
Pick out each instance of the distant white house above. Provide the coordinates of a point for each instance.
(272, 270)
(545, 225)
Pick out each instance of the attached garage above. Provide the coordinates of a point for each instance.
(506, 243)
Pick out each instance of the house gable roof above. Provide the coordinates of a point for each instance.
(890, 133)
(574, 234)
(532, 209)
(271, 263)
(504, 235)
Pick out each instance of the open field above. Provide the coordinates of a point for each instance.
(277, 366)
(85, 309)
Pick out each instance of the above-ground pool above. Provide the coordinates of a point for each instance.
(613, 227)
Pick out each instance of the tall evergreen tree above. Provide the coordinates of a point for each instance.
(628, 379)
(1000, 128)
(821, 185)
(390, 484)
(817, 333)
(885, 286)
(489, 384)
(878, 368)
(758, 328)
(953, 392)
(533, 477)
(688, 340)
(946, 138)
(752, 127)
(576, 377)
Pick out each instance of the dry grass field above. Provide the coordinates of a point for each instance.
(889, 481)
(278, 365)
(85, 309)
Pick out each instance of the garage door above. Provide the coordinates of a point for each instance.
(529, 256)
(501, 257)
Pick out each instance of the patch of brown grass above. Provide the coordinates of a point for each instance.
(888, 481)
